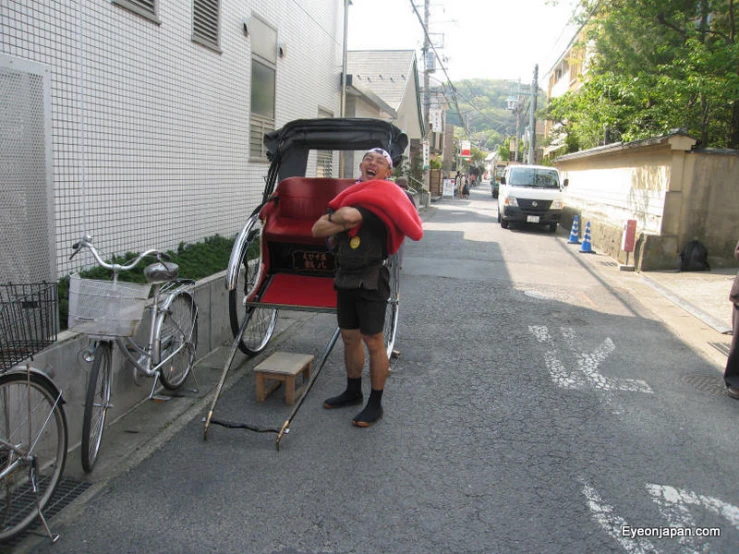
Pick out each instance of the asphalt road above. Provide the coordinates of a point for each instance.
(536, 407)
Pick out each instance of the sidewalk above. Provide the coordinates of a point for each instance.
(704, 294)
(694, 304)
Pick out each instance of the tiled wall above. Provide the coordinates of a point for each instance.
(150, 131)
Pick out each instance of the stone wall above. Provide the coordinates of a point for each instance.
(675, 193)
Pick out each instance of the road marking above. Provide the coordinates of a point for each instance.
(587, 363)
(673, 504)
(614, 524)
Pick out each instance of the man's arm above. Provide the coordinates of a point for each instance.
(341, 220)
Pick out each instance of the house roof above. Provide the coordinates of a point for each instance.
(392, 76)
(387, 73)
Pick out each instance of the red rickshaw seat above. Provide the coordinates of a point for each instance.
(300, 201)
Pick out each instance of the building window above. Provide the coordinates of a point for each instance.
(145, 8)
(205, 23)
(263, 83)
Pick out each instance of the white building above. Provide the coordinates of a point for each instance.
(141, 121)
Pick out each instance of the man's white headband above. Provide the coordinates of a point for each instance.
(382, 152)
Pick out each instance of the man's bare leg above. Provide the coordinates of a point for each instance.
(379, 365)
(354, 361)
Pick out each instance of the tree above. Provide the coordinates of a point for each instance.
(504, 151)
(658, 65)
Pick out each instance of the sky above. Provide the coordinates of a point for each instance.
(482, 39)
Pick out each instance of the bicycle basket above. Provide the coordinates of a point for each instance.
(106, 309)
(28, 321)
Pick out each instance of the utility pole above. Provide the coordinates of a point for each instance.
(518, 120)
(532, 118)
(426, 68)
(347, 3)
(426, 92)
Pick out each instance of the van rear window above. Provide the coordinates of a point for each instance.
(533, 177)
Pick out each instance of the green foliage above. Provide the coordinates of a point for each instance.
(504, 151)
(195, 261)
(435, 162)
(657, 66)
(484, 105)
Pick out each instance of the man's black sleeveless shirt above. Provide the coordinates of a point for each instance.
(363, 267)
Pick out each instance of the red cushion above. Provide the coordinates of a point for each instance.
(300, 202)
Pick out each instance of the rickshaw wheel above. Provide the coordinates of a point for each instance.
(393, 305)
(259, 329)
(261, 324)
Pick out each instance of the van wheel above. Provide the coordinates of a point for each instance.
(553, 227)
(499, 218)
(504, 223)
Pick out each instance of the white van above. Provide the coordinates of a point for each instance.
(530, 194)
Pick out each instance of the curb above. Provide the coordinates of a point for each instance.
(688, 307)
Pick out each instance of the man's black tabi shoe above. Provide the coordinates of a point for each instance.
(346, 398)
(368, 417)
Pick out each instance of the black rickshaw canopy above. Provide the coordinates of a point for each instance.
(288, 147)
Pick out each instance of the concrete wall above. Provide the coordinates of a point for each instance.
(63, 363)
(675, 194)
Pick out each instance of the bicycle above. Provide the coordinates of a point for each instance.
(33, 424)
(110, 312)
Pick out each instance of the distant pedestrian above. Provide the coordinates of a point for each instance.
(731, 373)
(463, 183)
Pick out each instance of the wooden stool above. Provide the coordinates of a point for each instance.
(283, 367)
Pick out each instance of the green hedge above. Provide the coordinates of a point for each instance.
(196, 261)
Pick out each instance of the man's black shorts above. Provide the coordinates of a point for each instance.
(361, 309)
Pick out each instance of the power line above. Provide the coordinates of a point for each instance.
(436, 54)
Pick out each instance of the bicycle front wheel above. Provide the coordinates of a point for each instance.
(97, 403)
(176, 339)
(390, 329)
(33, 448)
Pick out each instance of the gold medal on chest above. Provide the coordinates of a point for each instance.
(354, 242)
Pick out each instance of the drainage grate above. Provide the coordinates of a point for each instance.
(712, 384)
(609, 264)
(66, 491)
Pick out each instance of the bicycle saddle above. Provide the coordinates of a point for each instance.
(161, 272)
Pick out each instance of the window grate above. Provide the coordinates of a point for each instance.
(258, 128)
(205, 22)
(324, 163)
(145, 8)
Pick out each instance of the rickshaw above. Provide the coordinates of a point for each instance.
(276, 264)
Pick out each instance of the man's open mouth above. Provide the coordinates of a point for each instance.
(371, 173)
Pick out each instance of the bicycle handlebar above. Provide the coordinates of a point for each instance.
(86, 242)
